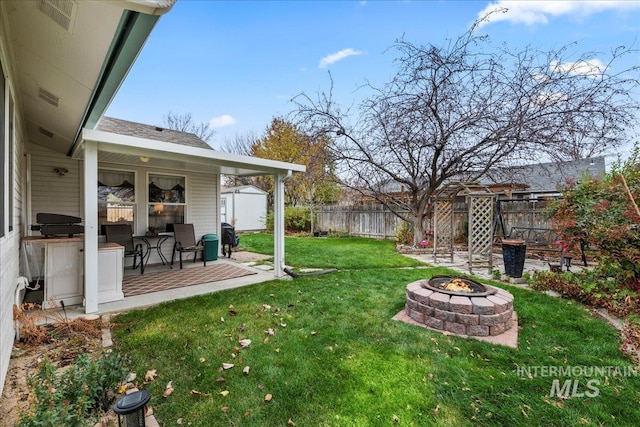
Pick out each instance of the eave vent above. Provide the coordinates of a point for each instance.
(48, 96)
(45, 132)
(60, 11)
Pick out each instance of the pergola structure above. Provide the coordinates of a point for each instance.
(480, 201)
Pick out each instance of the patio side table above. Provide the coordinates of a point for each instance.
(157, 240)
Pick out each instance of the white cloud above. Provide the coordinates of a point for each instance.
(335, 57)
(539, 12)
(222, 121)
(590, 68)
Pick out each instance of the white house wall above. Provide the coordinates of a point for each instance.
(56, 194)
(202, 204)
(50, 192)
(10, 243)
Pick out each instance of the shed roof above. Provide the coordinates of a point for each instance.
(249, 189)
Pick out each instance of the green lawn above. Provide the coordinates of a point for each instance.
(331, 252)
(335, 357)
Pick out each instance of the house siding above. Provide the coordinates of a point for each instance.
(203, 204)
(50, 192)
(10, 244)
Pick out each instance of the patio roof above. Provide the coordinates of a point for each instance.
(132, 150)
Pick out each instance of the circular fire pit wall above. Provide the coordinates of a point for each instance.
(460, 305)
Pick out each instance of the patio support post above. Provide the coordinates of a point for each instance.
(278, 224)
(90, 226)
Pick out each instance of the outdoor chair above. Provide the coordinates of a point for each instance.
(185, 241)
(122, 235)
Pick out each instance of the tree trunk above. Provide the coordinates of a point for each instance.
(418, 234)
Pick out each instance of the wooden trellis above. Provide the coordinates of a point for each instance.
(480, 241)
(480, 230)
(443, 228)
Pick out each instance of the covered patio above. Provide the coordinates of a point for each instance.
(145, 153)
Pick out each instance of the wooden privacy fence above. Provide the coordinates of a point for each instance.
(364, 221)
(378, 222)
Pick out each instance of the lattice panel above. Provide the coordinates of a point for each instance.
(444, 227)
(480, 224)
(480, 229)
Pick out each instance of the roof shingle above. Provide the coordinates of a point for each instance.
(140, 130)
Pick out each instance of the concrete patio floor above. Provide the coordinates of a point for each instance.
(243, 259)
(461, 263)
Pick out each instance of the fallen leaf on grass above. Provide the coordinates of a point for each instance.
(246, 370)
(168, 389)
(179, 421)
(268, 397)
(224, 393)
(290, 422)
(150, 375)
(202, 359)
(224, 409)
(226, 366)
(270, 331)
(197, 393)
(220, 380)
(245, 343)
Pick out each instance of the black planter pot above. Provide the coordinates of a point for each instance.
(513, 254)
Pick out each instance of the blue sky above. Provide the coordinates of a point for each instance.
(237, 64)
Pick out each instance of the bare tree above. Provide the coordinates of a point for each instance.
(242, 145)
(185, 123)
(456, 111)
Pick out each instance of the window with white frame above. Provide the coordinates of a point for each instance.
(167, 201)
(116, 198)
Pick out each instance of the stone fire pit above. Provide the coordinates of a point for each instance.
(460, 305)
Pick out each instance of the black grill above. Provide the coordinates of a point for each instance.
(229, 239)
(50, 224)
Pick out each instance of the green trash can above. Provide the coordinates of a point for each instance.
(210, 247)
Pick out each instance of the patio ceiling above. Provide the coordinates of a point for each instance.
(134, 151)
(70, 57)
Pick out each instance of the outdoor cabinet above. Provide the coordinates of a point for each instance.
(63, 273)
(56, 264)
(110, 271)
